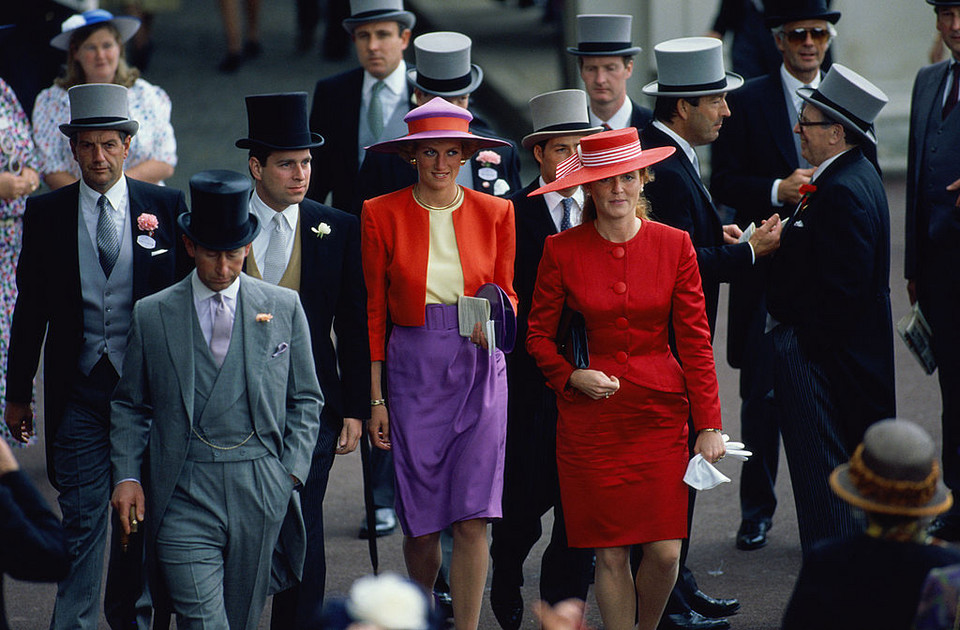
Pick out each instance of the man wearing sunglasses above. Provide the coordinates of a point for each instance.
(758, 170)
(933, 232)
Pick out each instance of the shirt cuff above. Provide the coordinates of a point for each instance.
(776, 203)
(753, 254)
(136, 481)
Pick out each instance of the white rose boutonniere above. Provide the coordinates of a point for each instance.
(321, 230)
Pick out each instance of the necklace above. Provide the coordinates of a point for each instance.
(456, 200)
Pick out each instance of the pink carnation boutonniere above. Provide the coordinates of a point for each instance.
(488, 158)
(264, 317)
(148, 223)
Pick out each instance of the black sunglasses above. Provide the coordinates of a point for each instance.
(816, 123)
(799, 35)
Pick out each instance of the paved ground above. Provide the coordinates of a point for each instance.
(209, 116)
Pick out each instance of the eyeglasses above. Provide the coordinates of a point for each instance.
(816, 123)
(799, 35)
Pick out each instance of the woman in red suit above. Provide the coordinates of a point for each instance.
(622, 427)
(423, 248)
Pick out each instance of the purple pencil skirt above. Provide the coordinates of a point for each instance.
(448, 424)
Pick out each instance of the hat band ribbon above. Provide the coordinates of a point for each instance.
(443, 85)
(99, 120)
(696, 87)
(363, 15)
(569, 165)
(859, 123)
(890, 491)
(602, 46)
(597, 159)
(438, 123)
(578, 126)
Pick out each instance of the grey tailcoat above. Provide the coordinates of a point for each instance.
(152, 407)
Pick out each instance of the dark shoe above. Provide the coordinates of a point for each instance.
(945, 529)
(252, 50)
(444, 604)
(386, 523)
(230, 64)
(752, 535)
(507, 604)
(691, 620)
(711, 607)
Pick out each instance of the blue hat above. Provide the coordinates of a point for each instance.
(125, 24)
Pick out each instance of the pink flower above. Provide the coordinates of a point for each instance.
(264, 317)
(488, 157)
(148, 222)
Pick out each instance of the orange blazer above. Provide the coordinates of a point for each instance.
(395, 242)
(630, 294)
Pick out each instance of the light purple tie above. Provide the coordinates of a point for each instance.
(222, 327)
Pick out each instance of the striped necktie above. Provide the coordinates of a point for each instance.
(108, 242)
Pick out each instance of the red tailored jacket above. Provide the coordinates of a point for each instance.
(629, 293)
(395, 240)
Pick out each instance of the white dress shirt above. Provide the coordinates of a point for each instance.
(265, 214)
(394, 90)
(554, 201)
(117, 209)
(206, 305)
(620, 120)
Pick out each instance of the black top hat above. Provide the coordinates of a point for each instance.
(220, 218)
(780, 12)
(944, 3)
(279, 121)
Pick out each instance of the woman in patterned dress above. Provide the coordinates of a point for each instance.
(18, 178)
(94, 43)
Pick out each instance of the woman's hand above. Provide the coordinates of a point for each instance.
(710, 445)
(379, 427)
(594, 383)
(16, 186)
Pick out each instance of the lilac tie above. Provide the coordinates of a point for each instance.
(222, 327)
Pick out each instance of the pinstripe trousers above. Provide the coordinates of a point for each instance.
(813, 440)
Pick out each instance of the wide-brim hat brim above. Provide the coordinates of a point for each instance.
(397, 144)
(130, 127)
(779, 20)
(476, 78)
(252, 229)
(837, 116)
(539, 136)
(405, 17)
(125, 25)
(622, 52)
(844, 487)
(250, 143)
(734, 81)
(587, 174)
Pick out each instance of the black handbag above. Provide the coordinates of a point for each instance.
(572, 338)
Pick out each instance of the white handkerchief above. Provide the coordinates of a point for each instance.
(701, 475)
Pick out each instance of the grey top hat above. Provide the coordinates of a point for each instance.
(600, 35)
(443, 64)
(691, 66)
(559, 113)
(99, 106)
(363, 11)
(849, 99)
(894, 471)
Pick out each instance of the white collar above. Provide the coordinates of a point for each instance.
(792, 84)
(202, 292)
(685, 146)
(396, 81)
(116, 194)
(823, 165)
(265, 213)
(553, 198)
(620, 119)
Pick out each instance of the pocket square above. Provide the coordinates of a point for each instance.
(157, 252)
(281, 348)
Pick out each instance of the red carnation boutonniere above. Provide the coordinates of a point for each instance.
(805, 191)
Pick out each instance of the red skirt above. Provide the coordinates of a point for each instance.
(621, 462)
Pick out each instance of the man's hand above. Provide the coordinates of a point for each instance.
(788, 192)
(379, 427)
(127, 494)
(19, 419)
(731, 234)
(8, 463)
(952, 187)
(349, 435)
(766, 238)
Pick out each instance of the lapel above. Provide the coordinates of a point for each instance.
(928, 102)
(141, 255)
(352, 130)
(778, 120)
(69, 248)
(256, 338)
(179, 337)
(312, 254)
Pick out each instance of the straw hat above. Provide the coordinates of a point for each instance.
(602, 155)
(443, 64)
(558, 113)
(689, 67)
(894, 471)
(364, 11)
(849, 99)
(125, 24)
(437, 120)
(219, 217)
(600, 35)
(96, 106)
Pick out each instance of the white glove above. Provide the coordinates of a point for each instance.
(735, 450)
(701, 475)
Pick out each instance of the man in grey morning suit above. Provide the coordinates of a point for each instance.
(220, 388)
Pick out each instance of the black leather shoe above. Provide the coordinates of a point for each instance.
(691, 620)
(444, 603)
(752, 535)
(507, 604)
(385, 523)
(711, 607)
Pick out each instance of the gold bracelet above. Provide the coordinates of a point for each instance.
(378, 402)
(710, 430)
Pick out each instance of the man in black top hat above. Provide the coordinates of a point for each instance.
(314, 250)
(90, 250)
(758, 171)
(219, 398)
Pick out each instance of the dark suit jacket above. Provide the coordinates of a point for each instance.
(36, 548)
(383, 173)
(49, 300)
(641, 116)
(830, 280)
(678, 198)
(863, 582)
(332, 293)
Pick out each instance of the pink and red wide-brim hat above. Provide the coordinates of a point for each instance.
(437, 120)
(603, 155)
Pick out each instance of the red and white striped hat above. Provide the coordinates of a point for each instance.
(603, 155)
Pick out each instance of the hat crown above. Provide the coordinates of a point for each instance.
(690, 62)
(443, 55)
(605, 28)
(278, 121)
(363, 7)
(219, 216)
(852, 92)
(561, 107)
(897, 450)
(779, 12)
(441, 115)
(98, 100)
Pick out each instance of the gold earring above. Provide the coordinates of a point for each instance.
(462, 162)
(413, 161)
